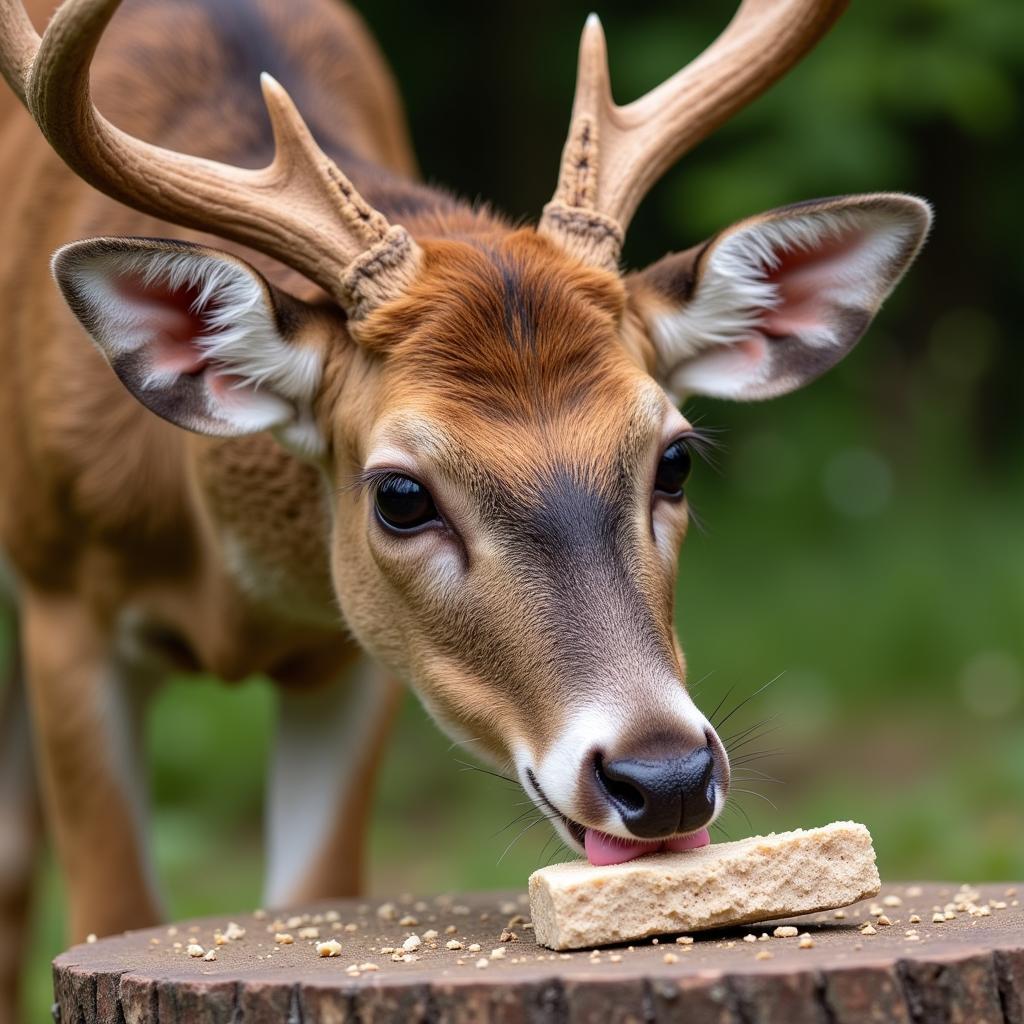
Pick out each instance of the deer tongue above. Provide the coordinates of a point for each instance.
(693, 841)
(604, 849)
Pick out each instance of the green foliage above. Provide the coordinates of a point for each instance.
(864, 538)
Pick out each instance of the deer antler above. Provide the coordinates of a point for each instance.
(613, 155)
(300, 209)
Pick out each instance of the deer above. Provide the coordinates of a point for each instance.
(354, 433)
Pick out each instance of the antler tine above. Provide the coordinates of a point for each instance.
(300, 209)
(613, 155)
(19, 42)
(578, 184)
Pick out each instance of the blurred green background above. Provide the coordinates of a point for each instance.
(864, 538)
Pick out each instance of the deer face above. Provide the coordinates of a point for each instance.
(508, 465)
(512, 536)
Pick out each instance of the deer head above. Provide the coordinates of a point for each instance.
(497, 416)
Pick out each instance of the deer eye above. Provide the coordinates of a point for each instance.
(404, 504)
(673, 470)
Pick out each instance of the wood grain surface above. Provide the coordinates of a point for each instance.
(965, 970)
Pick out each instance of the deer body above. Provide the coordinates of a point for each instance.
(170, 550)
(141, 509)
(418, 442)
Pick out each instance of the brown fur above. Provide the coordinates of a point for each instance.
(102, 505)
(519, 375)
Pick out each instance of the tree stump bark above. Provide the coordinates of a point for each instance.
(965, 970)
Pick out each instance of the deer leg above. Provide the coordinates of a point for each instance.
(86, 710)
(20, 832)
(328, 744)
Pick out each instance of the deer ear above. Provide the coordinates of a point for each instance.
(198, 336)
(776, 300)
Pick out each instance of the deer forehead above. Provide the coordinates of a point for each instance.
(473, 303)
(506, 352)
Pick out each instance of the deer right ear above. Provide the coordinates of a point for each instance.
(774, 301)
(198, 336)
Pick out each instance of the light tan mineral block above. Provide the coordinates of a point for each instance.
(578, 905)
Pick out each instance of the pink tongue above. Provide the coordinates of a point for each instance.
(605, 849)
(691, 842)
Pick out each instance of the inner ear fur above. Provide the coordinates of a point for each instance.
(199, 336)
(776, 299)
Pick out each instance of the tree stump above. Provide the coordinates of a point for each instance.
(966, 970)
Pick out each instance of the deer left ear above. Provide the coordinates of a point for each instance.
(198, 336)
(774, 301)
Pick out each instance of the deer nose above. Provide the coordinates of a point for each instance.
(658, 798)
